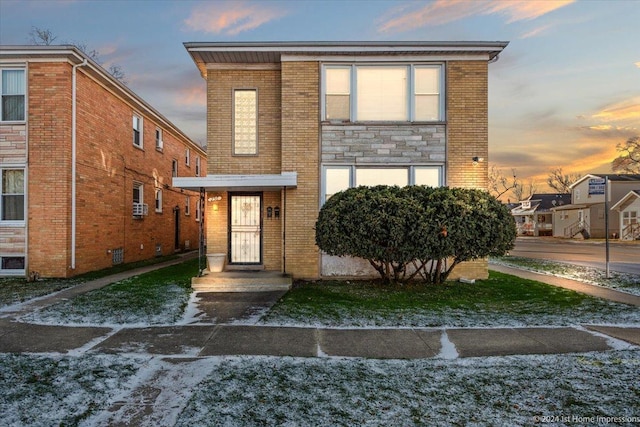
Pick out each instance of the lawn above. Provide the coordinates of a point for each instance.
(502, 300)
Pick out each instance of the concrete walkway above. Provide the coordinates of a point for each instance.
(215, 332)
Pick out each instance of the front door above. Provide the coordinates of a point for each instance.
(245, 229)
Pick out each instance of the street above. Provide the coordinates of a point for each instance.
(624, 257)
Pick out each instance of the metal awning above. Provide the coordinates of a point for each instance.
(238, 182)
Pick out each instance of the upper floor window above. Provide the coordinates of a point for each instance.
(187, 205)
(198, 166)
(245, 122)
(187, 157)
(383, 93)
(174, 168)
(12, 107)
(159, 142)
(12, 195)
(137, 131)
(158, 200)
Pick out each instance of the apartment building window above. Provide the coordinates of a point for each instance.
(137, 131)
(159, 142)
(380, 92)
(187, 206)
(158, 200)
(198, 210)
(245, 122)
(187, 157)
(198, 166)
(339, 178)
(12, 107)
(139, 208)
(12, 195)
(12, 264)
(174, 168)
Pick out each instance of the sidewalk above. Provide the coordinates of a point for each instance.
(213, 334)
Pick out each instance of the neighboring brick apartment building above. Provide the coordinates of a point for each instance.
(291, 123)
(87, 168)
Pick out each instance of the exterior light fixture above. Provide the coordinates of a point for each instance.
(477, 160)
(269, 212)
(276, 212)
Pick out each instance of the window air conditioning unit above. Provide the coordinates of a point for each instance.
(140, 209)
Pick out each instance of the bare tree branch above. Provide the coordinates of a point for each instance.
(499, 184)
(560, 181)
(629, 159)
(41, 37)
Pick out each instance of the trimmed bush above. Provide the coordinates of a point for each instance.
(414, 232)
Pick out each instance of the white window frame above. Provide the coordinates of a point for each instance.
(139, 129)
(174, 168)
(159, 139)
(13, 271)
(197, 165)
(187, 157)
(187, 206)
(14, 222)
(235, 152)
(198, 210)
(24, 95)
(410, 89)
(411, 175)
(158, 200)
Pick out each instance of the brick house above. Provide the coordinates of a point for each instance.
(290, 123)
(87, 168)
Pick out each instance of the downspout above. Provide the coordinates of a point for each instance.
(73, 162)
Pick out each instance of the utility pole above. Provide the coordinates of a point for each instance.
(606, 223)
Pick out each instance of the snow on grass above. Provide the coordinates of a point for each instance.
(624, 282)
(480, 391)
(41, 390)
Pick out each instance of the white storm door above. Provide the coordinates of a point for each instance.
(245, 231)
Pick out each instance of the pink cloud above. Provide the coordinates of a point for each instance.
(194, 95)
(231, 18)
(442, 12)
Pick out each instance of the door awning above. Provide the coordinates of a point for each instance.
(238, 182)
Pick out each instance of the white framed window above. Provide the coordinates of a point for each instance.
(187, 205)
(245, 122)
(159, 141)
(13, 93)
(198, 210)
(158, 200)
(12, 196)
(137, 131)
(187, 157)
(384, 92)
(12, 264)
(339, 177)
(139, 208)
(174, 168)
(197, 165)
(629, 217)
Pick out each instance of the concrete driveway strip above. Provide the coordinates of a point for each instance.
(510, 341)
(379, 343)
(261, 340)
(167, 340)
(16, 337)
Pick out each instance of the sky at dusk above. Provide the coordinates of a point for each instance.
(563, 93)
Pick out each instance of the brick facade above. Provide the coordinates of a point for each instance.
(107, 165)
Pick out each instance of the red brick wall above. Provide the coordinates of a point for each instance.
(107, 165)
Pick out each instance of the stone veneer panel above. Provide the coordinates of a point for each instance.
(383, 144)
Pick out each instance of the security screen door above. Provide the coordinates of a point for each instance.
(245, 231)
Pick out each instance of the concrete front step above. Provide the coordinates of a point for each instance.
(235, 281)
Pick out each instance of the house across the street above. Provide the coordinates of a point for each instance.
(291, 123)
(585, 216)
(534, 217)
(87, 168)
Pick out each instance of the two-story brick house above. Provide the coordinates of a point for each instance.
(291, 123)
(87, 168)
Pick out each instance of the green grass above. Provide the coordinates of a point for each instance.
(156, 297)
(18, 289)
(502, 299)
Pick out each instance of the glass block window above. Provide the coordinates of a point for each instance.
(245, 122)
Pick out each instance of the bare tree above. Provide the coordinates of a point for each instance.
(499, 184)
(629, 159)
(41, 37)
(560, 181)
(45, 37)
(523, 191)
